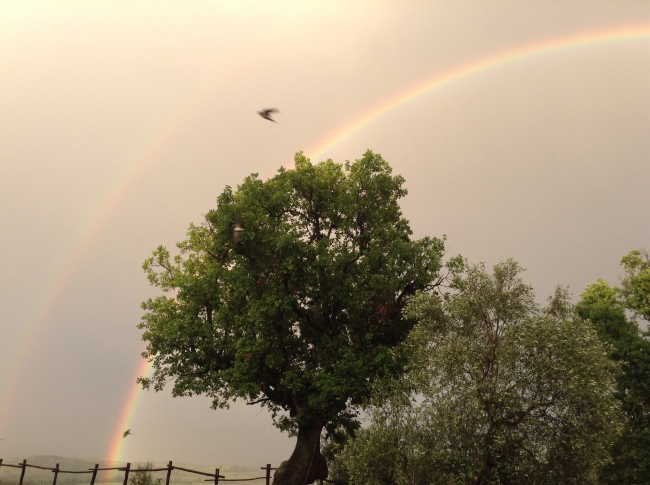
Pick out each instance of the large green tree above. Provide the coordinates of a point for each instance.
(605, 307)
(302, 311)
(499, 391)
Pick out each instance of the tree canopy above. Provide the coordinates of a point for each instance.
(301, 312)
(498, 391)
(635, 286)
(605, 307)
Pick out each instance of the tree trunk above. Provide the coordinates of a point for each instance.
(306, 464)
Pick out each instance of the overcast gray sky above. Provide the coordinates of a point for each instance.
(121, 122)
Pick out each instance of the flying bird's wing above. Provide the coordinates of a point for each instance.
(266, 114)
(126, 433)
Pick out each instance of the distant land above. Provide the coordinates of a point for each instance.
(34, 476)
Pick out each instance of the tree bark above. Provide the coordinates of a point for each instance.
(306, 464)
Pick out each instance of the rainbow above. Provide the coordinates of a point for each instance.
(116, 450)
(146, 157)
(474, 67)
(427, 86)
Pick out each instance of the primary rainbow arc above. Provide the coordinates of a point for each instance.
(402, 98)
(472, 68)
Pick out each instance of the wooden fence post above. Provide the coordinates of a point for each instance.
(92, 480)
(216, 476)
(169, 472)
(22, 473)
(56, 474)
(126, 474)
(268, 473)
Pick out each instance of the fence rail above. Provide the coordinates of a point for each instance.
(216, 477)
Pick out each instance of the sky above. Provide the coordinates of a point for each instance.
(521, 128)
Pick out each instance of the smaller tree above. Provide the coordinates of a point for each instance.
(605, 307)
(499, 390)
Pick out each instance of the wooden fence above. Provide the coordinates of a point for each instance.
(216, 477)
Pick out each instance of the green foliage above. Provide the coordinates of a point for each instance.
(498, 391)
(600, 305)
(635, 287)
(604, 306)
(303, 313)
(332, 446)
(141, 475)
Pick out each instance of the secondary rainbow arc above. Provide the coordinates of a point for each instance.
(66, 264)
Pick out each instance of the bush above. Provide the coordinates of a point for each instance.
(141, 475)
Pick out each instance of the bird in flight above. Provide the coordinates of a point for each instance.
(238, 229)
(266, 114)
(127, 433)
